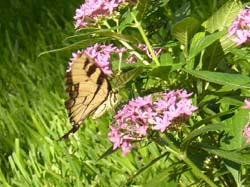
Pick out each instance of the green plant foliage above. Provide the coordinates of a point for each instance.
(207, 149)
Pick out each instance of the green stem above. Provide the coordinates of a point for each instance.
(182, 156)
(143, 34)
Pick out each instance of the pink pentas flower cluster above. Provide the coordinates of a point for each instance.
(141, 115)
(246, 131)
(101, 54)
(247, 104)
(240, 29)
(92, 10)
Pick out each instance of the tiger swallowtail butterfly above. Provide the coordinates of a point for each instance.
(89, 92)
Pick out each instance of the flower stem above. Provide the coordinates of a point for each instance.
(182, 156)
(143, 34)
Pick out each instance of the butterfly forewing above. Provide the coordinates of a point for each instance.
(88, 89)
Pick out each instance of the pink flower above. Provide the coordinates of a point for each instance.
(92, 10)
(141, 115)
(246, 132)
(114, 137)
(131, 59)
(145, 49)
(101, 54)
(247, 104)
(126, 147)
(160, 123)
(240, 29)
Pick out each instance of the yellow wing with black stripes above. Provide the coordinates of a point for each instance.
(89, 92)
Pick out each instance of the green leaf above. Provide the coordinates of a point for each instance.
(166, 59)
(227, 44)
(164, 155)
(82, 33)
(184, 30)
(161, 71)
(224, 16)
(236, 81)
(102, 32)
(242, 54)
(234, 168)
(162, 179)
(201, 44)
(107, 153)
(123, 78)
(212, 56)
(117, 36)
(77, 45)
(142, 7)
(203, 130)
(126, 21)
(234, 156)
(234, 138)
(230, 101)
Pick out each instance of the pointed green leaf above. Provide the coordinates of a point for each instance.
(229, 155)
(162, 179)
(142, 7)
(199, 45)
(122, 79)
(234, 80)
(107, 153)
(224, 16)
(161, 71)
(242, 54)
(77, 45)
(166, 154)
(234, 138)
(102, 32)
(184, 30)
(235, 170)
(203, 130)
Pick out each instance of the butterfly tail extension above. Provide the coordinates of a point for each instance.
(71, 131)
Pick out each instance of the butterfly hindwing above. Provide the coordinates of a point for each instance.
(109, 103)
